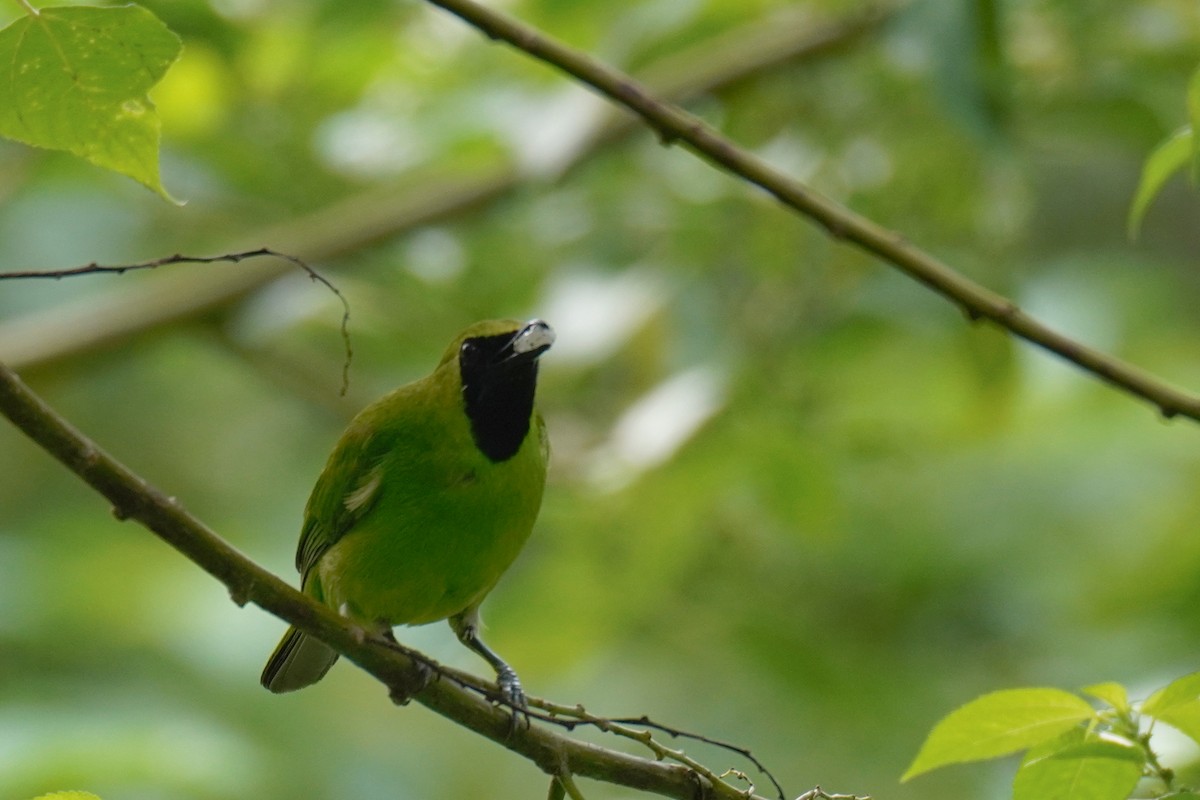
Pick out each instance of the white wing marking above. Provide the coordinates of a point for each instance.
(361, 497)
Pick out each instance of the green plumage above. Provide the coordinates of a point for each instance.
(427, 498)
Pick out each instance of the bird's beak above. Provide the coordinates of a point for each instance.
(528, 343)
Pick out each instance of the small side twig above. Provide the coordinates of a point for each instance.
(229, 258)
(570, 717)
(741, 776)
(676, 733)
(565, 780)
(817, 793)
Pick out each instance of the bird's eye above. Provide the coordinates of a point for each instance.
(468, 348)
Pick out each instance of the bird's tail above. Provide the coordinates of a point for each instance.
(298, 661)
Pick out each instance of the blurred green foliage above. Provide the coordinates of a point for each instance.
(796, 501)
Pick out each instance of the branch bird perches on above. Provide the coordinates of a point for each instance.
(452, 694)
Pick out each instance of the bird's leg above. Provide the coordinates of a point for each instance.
(466, 627)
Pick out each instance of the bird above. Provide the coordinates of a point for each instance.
(426, 500)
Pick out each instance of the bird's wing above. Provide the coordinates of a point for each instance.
(347, 489)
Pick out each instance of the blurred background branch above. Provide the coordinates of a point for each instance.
(422, 198)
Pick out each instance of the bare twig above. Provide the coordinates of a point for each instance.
(676, 733)
(570, 717)
(817, 793)
(231, 258)
(404, 672)
(567, 782)
(743, 777)
(673, 124)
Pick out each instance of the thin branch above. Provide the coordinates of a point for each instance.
(817, 793)
(567, 782)
(741, 776)
(661, 751)
(233, 258)
(722, 61)
(673, 124)
(404, 672)
(677, 733)
(82, 326)
(103, 321)
(572, 717)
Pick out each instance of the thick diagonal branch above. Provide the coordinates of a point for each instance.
(134, 498)
(673, 124)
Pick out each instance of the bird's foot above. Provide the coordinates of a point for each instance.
(512, 695)
(466, 627)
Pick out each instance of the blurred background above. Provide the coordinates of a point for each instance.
(796, 501)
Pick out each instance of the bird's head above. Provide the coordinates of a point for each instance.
(497, 363)
(497, 347)
(498, 344)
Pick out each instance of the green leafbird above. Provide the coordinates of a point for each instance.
(426, 500)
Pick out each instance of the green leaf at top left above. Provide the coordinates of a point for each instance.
(75, 78)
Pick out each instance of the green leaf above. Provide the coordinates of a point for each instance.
(70, 795)
(1178, 692)
(1077, 767)
(75, 78)
(1167, 158)
(997, 724)
(1178, 705)
(1110, 692)
(1193, 107)
(1114, 748)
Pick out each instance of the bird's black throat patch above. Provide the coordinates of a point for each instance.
(498, 390)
